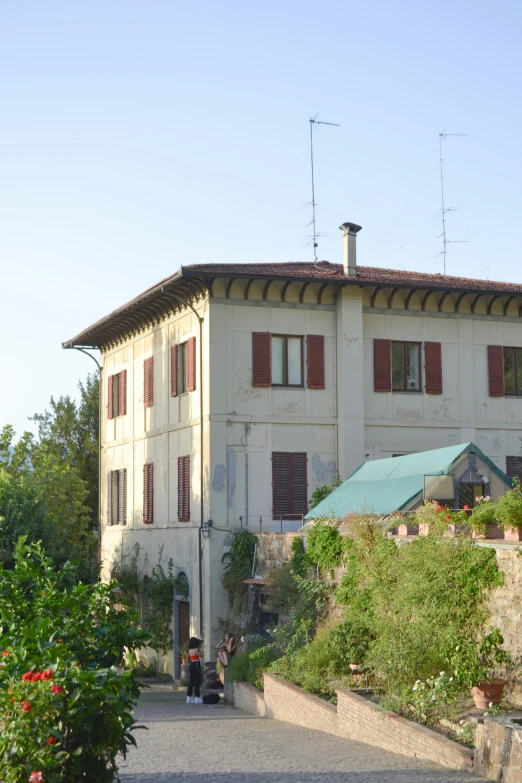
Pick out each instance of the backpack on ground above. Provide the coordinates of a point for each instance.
(211, 698)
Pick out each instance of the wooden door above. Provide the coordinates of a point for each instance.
(183, 628)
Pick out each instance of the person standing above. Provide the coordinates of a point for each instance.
(194, 686)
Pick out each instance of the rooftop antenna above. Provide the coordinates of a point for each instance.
(315, 121)
(444, 209)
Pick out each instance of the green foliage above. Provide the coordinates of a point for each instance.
(472, 665)
(49, 484)
(238, 564)
(65, 710)
(509, 507)
(325, 546)
(152, 595)
(320, 493)
(250, 666)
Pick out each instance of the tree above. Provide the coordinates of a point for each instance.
(49, 484)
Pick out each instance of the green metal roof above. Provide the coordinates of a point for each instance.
(383, 486)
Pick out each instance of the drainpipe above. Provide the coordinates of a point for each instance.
(247, 430)
(185, 302)
(95, 360)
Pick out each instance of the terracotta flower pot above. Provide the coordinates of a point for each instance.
(486, 693)
(407, 530)
(453, 530)
(424, 529)
(513, 533)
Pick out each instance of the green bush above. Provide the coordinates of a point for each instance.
(324, 546)
(250, 666)
(65, 709)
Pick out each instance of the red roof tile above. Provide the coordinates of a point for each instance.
(366, 275)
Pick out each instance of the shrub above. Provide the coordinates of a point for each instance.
(509, 507)
(65, 710)
(250, 666)
(325, 547)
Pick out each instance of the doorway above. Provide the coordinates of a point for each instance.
(183, 629)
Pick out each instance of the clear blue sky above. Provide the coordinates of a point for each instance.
(137, 136)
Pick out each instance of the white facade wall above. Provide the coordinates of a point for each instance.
(337, 427)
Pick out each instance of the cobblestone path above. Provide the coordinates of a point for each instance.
(218, 744)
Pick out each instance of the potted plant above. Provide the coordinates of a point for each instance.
(477, 667)
(483, 520)
(509, 512)
(429, 516)
(183, 653)
(457, 522)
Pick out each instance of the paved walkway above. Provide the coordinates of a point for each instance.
(218, 744)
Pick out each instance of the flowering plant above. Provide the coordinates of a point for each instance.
(65, 710)
(509, 507)
(484, 514)
(432, 697)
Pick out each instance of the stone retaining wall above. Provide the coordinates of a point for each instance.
(354, 718)
(249, 699)
(498, 754)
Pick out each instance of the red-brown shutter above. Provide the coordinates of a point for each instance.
(174, 371)
(514, 467)
(280, 484)
(261, 359)
(184, 489)
(122, 393)
(122, 496)
(315, 361)
(382, 365)
(109, 498)
(148, 494)
(298, 484)
(110, 399)
(496, 370)
(148, 382)
(433, 363)
(191, 364)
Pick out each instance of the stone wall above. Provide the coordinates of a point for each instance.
(498, 749)
(272, 551)
(505, 606)
(249, 699)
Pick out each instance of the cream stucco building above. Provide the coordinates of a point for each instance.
(230, 392)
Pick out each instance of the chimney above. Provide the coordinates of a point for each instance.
(350, 247)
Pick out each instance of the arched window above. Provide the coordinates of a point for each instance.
(182, 587)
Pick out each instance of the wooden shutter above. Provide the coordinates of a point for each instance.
(122, 496)
(514, 467)
(382, 365)
(261, 359)
(191, 364)
(184, 489)
(280, 484)
(298, 484)
(148, 382)
(110, 520)
(148, 494)
(174, 371)
(110, 399)
(315, 361)
(122, 402)
(496, 370)
(433, 364)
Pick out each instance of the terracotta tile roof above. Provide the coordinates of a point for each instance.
(366, 275)
(194, 280)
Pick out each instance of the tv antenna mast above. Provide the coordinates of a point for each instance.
(314, 121)
(444, 209)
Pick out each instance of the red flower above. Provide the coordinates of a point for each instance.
(26, 706)
(47, 675)
(52, 741)
(4, 653)
(439, 509)
(467, 506)
(56, 688)
(448, 516)
(36, 777)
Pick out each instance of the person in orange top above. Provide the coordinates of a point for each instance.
(195, 654)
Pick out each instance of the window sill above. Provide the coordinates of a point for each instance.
(286, 386)
(407, 391)
(514, 396)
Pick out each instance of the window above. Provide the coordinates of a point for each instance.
(514, 467)
(148, 382)
(183, 489)
(289, 485)
(183, 367)
(513, 371)
(405, 366)
(117, 395)
(148, 494)
(287, 360)
(117, 497)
